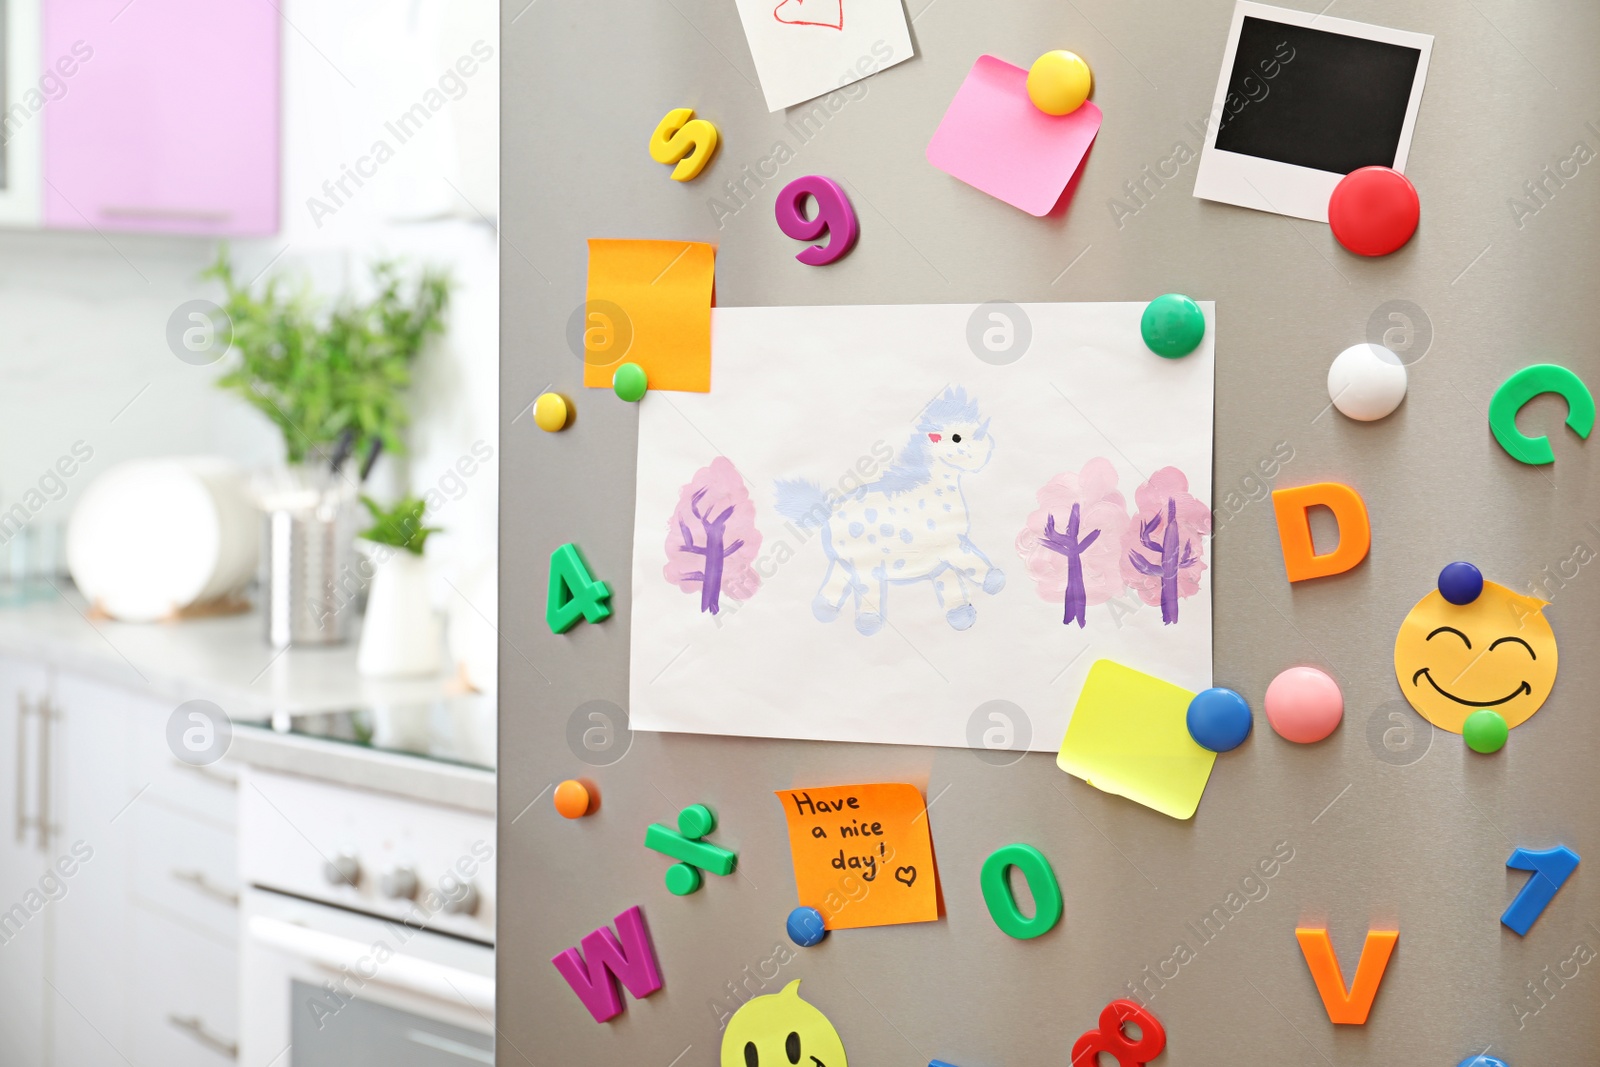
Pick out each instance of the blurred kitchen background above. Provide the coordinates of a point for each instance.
(247, 720)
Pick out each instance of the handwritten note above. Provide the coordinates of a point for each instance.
(862, 854)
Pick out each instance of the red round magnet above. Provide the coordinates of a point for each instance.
(1374, 211)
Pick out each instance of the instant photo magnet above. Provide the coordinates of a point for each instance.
(1303, 100)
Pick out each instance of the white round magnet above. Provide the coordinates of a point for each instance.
(1366, 382)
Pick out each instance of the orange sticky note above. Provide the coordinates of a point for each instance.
(1352, 1005)
(1300, 559)
(649, 302)
(862, 854)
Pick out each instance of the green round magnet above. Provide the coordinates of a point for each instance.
(630, 382)
(1485, 731)
(1041, 883)
(1522, 387)
(1172, 325)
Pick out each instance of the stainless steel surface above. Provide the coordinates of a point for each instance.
(310, 577)
(1386, 822)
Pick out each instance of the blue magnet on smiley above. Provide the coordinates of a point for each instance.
(1460, 583)
(1219, 720)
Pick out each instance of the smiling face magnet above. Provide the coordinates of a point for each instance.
(1473, 645)
(780, 1030)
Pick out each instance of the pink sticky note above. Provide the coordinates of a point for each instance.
(995, 139)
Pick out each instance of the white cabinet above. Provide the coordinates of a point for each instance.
(24, 691)
(92, 964)
(118, 912)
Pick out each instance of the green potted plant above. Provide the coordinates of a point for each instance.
(333, 378)
(401, 636)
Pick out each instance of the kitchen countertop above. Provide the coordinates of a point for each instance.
(225, 659)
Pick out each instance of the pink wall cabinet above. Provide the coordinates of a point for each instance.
(162, 117)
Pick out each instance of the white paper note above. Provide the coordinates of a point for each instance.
(810, 48)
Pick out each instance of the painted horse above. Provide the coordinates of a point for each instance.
(911, 525)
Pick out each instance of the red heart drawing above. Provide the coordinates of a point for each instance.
(829, 13)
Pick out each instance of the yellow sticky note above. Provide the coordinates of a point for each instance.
(1129, 735)
(862, 854)
(649, 302)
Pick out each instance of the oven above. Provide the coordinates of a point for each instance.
(367, 929)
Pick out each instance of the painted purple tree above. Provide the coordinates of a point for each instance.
(1163, 543)
(1072, 545)
(712, 540)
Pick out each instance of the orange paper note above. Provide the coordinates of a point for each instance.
(649, 302)
(1344, 1006)
(862, 854)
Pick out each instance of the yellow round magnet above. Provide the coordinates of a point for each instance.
(1058, 82)
(550, 412)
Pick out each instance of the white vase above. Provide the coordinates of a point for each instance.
(400, 636)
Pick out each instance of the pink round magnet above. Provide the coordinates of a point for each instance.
(1303, 705)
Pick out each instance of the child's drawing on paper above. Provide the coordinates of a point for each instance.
(712, 540)
(1165, 541)
(911, 525)
(1072, 545)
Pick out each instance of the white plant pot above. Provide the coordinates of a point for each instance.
(400, 636)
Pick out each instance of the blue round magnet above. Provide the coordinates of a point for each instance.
(805, 926)
(1482, 1061)
(1219, 720)
(1460, 583)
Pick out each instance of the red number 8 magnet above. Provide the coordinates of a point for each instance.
(1110, 1038)
(835, 218)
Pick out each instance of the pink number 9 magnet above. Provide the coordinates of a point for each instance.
(834, 217)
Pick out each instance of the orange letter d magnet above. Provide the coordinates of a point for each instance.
(1300, 559)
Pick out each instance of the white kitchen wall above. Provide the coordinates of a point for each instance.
(83, 317)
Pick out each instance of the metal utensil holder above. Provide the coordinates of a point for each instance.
(311, 583)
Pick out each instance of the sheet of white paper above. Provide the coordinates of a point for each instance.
(808, 48)
(846, 402)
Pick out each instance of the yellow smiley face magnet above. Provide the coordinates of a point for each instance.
(781, 1029)
(1472, 646)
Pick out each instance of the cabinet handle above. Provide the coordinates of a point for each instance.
(210, 773)
(195, 1027)
(204, 885)
(46, 715)
(157, 213)
(23, 711)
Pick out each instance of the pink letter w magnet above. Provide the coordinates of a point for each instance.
(834, 217)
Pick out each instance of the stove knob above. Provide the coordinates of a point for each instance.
(343, 869)
(399, 883)
(465, 902)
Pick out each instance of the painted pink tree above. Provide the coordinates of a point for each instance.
(1072, 545)
(1164, 542)
(712, 540)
